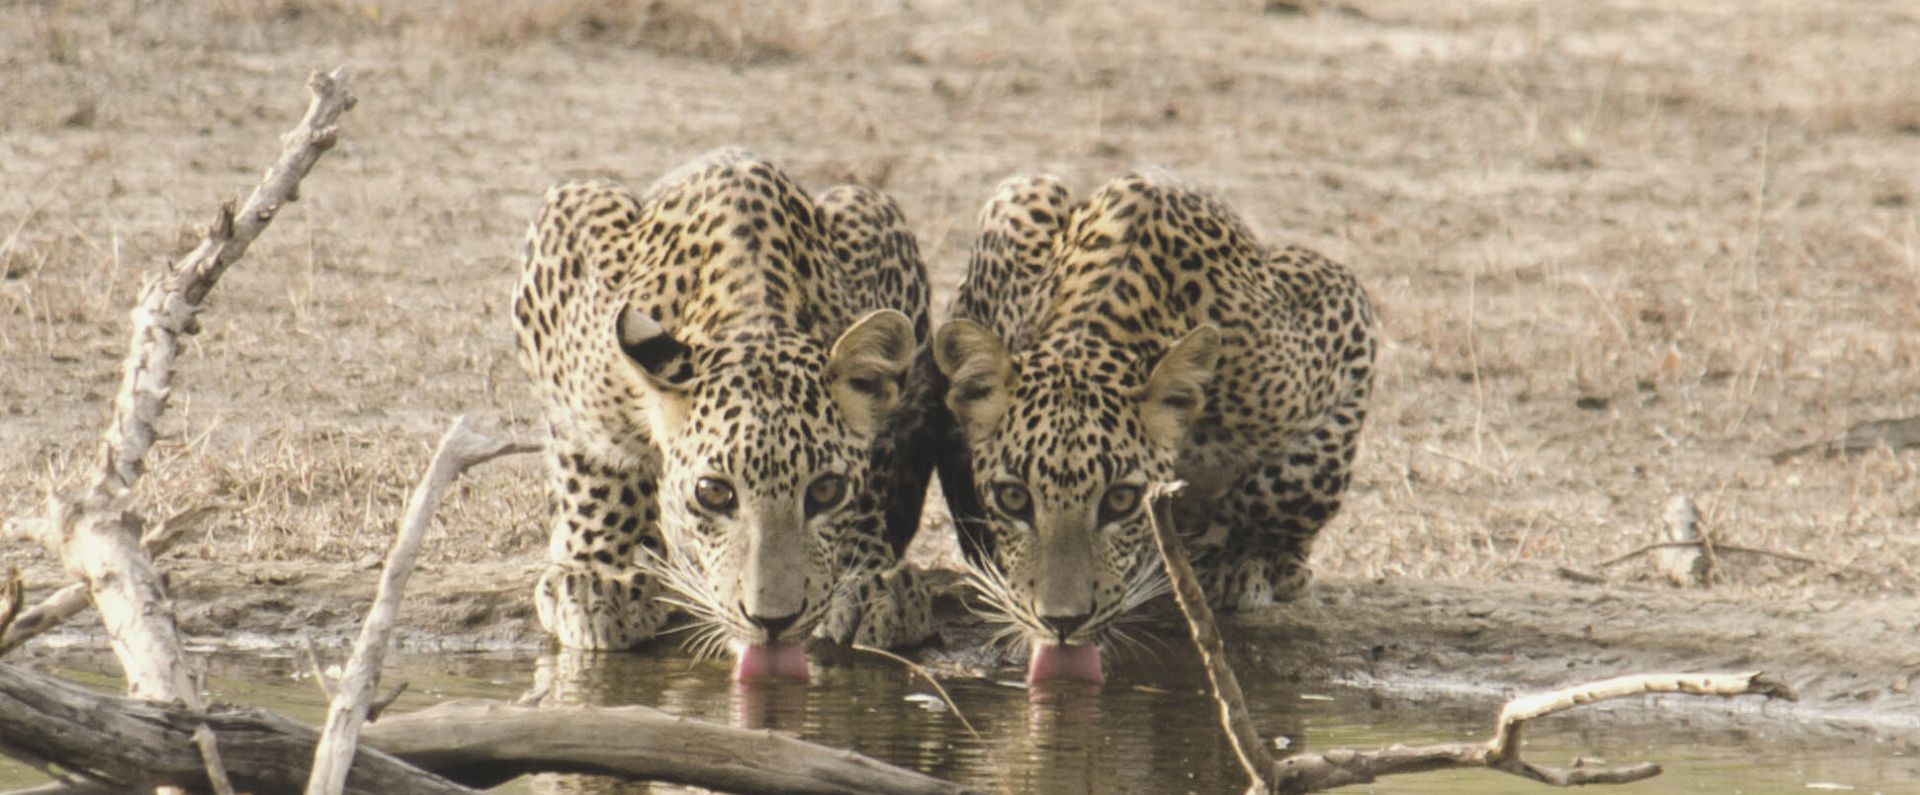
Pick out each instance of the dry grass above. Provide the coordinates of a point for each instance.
(1620, 251)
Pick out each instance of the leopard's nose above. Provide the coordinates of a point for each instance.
(775, 625)
(1064, 626)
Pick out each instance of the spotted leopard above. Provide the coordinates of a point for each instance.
(1140, 335)
(719, 361)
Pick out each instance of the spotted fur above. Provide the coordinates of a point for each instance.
(719, 363)
(1143, 335)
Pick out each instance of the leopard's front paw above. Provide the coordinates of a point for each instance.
(887, 609)
(587, 608)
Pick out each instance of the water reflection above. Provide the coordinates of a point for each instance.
(1151, 729)
(1061, 738)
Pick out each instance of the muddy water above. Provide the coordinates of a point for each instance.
(1149, 730)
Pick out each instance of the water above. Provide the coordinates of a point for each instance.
(1150, 730)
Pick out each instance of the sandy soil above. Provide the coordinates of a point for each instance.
(1622, 252)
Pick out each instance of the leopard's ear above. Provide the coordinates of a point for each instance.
(865, 368)
(664, 365)
(1176, 391)
(979, 371)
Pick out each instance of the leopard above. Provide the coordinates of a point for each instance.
(1142, 335)
(718, 360)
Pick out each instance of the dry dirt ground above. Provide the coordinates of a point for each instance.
(1622, 251)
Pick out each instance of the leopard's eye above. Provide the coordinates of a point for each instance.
(825, 492)
(715, 495)
(1119, 503)
(1013, 500)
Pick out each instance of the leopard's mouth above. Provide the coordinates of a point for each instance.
(771, 661)
(1065, 662)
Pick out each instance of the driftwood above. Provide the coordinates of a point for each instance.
(1316, 772)
(128, 743)
(124, 743)
(460, 449)
(482, 743)
(68, 601)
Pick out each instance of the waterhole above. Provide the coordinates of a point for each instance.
(1151, 729)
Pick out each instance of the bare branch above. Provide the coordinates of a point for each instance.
(130, 744)
(923, 673)
(1234, 716)
(1315, 772)
(381, 704)
(210, 752)
(68, 601)
(170, 306)
(320, 677)
(1721, 548)
(12, 594)
(460, 449)
(95, 534)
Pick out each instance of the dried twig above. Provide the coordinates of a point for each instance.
(319, 669)
(1723, 548)
(1234, 716)
(381, 704)
(1894, 434)
(12, 594)
(209, 746)
(1326, 770)
(460, 449)
(927, 675)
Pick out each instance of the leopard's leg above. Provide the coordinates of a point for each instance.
(1253, 549)
(594, 594)
(878, 600)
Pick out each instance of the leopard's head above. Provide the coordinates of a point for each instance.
(1065, 435)
(764, 440)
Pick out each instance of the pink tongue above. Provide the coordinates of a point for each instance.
(1065, 662)
(774, 660)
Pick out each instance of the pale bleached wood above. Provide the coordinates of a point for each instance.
(96, 534)
(494, 742)
(460, 449)
(124, 743)
(69, 600)
(128, 744)
(209, 745)
(170, 306)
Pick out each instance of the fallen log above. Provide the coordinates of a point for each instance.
(482, 743)
(130, 744)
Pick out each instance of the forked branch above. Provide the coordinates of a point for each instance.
(96, 534)
(1316, 772)
(462, 448)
